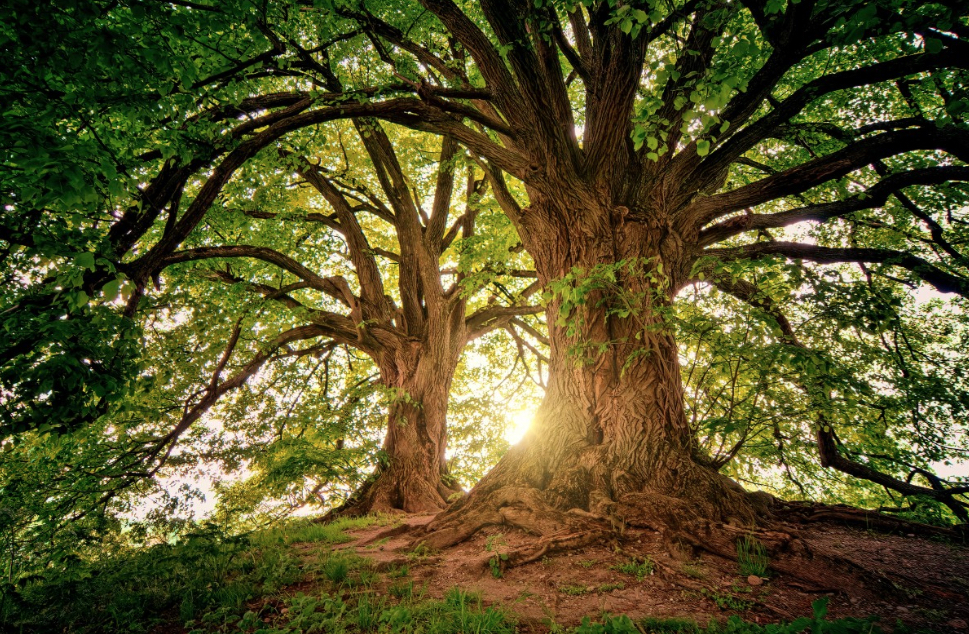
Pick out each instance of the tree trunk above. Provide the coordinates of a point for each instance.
(412, 477)
(610, 442)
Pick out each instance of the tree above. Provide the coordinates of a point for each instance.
(675, 103)
(415, 345)
(640, 148)
(397, 251)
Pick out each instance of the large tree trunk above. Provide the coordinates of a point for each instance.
(412, 477)
(610, 442)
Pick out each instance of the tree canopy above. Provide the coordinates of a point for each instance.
(744, 223)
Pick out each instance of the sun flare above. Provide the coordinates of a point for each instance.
(518, 424)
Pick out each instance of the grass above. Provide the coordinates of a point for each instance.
(575, 590)
(210, 583)
(636, 568)
(752, 557)
(609, 587)
(816, 623)
(205, 577)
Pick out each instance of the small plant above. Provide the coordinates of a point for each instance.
(587, 563)
(368, 612)
(402, 590)
(609, 587)
(693, 570)
(397, 573)
(752, 557)
(610, 625)
(336, 569)
(497, 559)
(727, 601)
(420, 552)
(574, 590)
(670, 626)
(636, 568)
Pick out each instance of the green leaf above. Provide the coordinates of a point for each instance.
(85, 261)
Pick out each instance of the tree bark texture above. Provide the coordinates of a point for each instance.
(412, 476)
(610, 441)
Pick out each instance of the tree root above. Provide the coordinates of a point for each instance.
(552, 544)
(806, 512)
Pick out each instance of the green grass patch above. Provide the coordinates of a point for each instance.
(311, 531)
(816, 624)
(752, 557)
(636, 568)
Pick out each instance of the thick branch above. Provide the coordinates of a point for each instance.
(943, 282)
(875, 196)
(822, 169)
(335, 287)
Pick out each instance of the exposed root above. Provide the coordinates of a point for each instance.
(393, 531)
(387, 494)
(842, 514)
(553, 544)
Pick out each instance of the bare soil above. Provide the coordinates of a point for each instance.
(923, 583)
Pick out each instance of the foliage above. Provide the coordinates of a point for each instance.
(496, 562)
(202, 572)
(752, 558)
(817, 624)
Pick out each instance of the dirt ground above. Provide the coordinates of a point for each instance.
(924, 583)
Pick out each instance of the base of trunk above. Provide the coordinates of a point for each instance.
(393, 490)
(693, 507)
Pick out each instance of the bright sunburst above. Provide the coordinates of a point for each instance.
(518, 424)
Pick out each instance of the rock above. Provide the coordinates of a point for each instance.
(958, 624)
(754, 580)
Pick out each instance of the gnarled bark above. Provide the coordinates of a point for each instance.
(413, 476)
(610, 444)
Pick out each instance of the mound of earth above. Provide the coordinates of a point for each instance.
(920, 582)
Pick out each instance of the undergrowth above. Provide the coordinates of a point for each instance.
(815, 624)
(209, 583)
(204, 573)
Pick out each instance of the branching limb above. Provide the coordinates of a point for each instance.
(926, 271)
(828, 451)
(875, 196)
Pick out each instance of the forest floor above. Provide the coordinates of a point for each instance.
(922, 583)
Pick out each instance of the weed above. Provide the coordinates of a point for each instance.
(587, 563)
(638, 569)
(398, 572)
(336, 569)
(402, 590)
(610, 625)
(368, 612)
(609, 587)
(694, 571)
(420, 552)
(727, 601)
(575, 590)
(366, 577)
(496, 561)
(752, 557)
